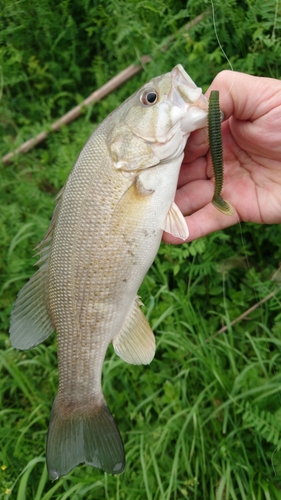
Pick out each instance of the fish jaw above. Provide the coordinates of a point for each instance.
(186, 96)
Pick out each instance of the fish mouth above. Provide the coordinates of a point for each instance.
(187, 89)
(185, 85)
(185, 95)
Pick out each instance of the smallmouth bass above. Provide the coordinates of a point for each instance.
(104, 234)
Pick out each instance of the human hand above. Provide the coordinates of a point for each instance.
(251, 134)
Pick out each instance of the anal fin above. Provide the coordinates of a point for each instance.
(135, 343)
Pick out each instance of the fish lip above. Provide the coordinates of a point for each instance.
(192, 105)
(184, 92)
(179, 74)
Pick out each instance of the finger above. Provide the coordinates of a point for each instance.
(205, 221)
(189, 172)
(263, 139)
(195, 195)
(197, 145)
(246, 97)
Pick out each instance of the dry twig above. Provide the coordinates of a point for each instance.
(245, 313)
(275, 277)
(96, 96)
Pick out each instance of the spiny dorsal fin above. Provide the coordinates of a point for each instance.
(135, 343)
(43, 247)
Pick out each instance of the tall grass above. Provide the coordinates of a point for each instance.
(203, 421)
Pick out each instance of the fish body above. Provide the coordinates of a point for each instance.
(103, 237)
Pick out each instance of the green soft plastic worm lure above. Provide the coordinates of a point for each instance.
(215, 141)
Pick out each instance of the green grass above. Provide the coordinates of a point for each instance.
(203, 421)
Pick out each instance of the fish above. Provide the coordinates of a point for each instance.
(103, 237)
(216, 149)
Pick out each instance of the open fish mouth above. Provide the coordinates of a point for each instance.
(187, 96)
(186, 87)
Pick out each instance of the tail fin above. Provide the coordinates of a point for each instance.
(89, 436)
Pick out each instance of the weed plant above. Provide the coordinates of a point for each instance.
(203, 421)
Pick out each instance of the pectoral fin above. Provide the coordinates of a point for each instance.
(135, 343)
(175, 223)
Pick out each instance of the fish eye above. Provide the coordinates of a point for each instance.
(149, 97)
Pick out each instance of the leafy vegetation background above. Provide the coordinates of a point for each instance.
(203, 421)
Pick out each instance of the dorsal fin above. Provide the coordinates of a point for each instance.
(30, 320)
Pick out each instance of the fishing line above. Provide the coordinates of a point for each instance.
(238, 218)
(219, 43)
(254, 280)
(229, 62)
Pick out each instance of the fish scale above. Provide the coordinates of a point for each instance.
(103, 237)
